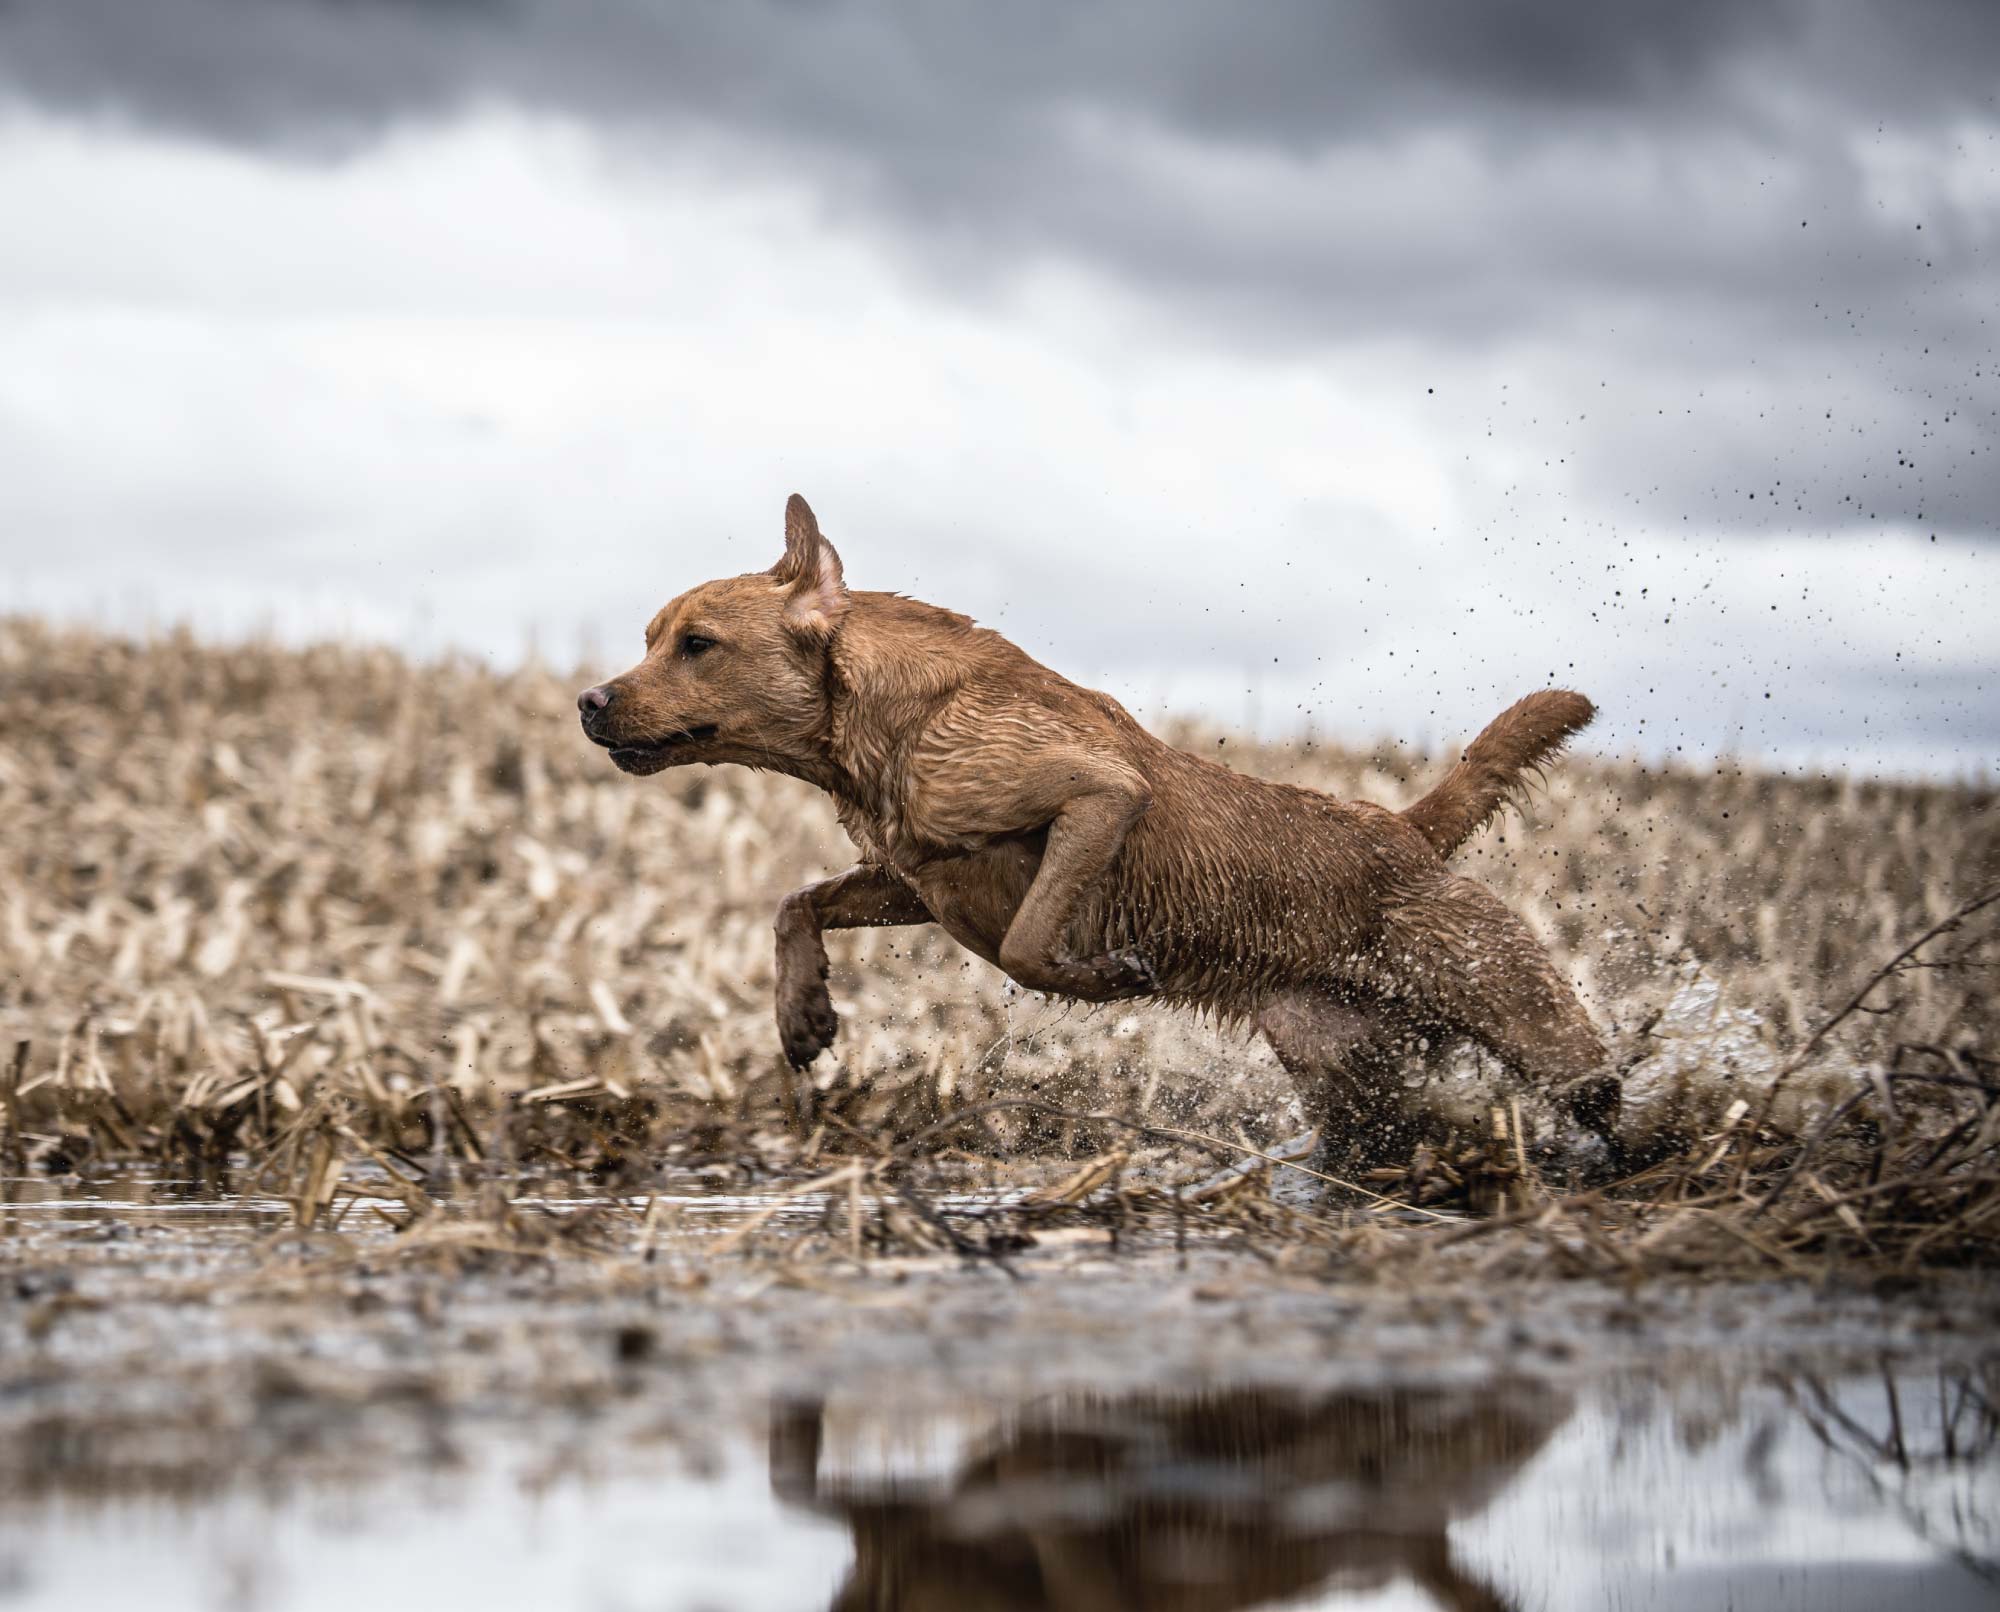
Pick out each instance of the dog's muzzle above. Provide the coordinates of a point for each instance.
(629, 754)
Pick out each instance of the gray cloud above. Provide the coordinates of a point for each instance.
(1682, 194)
(1292, 73)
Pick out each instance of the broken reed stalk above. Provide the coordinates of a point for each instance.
(10, 1122)
(1212, 1144)
(756, 1221)
(1947, 925)
(1831, 1123)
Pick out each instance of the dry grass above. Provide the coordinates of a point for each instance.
(308, 912)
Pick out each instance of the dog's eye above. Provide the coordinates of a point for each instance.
(693, 644)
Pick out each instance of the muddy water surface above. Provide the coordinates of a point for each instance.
(198, 1410)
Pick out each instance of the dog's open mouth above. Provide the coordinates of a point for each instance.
(656, 753)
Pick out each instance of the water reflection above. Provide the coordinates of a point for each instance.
(1651, 1493)
(1196, 1504)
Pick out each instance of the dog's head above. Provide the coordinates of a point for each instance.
(735, 670)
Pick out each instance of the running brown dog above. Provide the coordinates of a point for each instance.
(1042, 828)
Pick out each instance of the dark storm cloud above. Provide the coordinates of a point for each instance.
(1677, 190)
(1295, 72)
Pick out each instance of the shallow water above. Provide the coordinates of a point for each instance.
(142, 1198)
(1092, 1435)
(1504, 1495)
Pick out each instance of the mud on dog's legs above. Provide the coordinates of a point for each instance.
(1476, 967)
(1343, 1053)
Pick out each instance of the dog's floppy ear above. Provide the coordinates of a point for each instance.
(815, 591)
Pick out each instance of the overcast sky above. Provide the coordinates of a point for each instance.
(1361, 364)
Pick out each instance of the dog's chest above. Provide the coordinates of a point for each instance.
(885, 832)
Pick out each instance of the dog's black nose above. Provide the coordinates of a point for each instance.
(593, 700)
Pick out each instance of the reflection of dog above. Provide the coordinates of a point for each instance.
(1194, 1505)
(1048, 832)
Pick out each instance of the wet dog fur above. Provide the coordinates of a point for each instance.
(1044, 830)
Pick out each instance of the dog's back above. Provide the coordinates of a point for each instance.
(1234, 886)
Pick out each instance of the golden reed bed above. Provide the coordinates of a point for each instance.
(250, 893)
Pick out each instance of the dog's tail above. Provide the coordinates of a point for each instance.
(1525, 736)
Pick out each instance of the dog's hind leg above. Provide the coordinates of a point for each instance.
(1343, 1054)
(1473, 965)
(864, 897)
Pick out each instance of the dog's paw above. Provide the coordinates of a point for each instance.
(807, 1023)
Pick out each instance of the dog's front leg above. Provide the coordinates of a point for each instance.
(1084, 839)
(863, 897)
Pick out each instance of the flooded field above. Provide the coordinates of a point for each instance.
(403, 1201)
(201, 1408)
